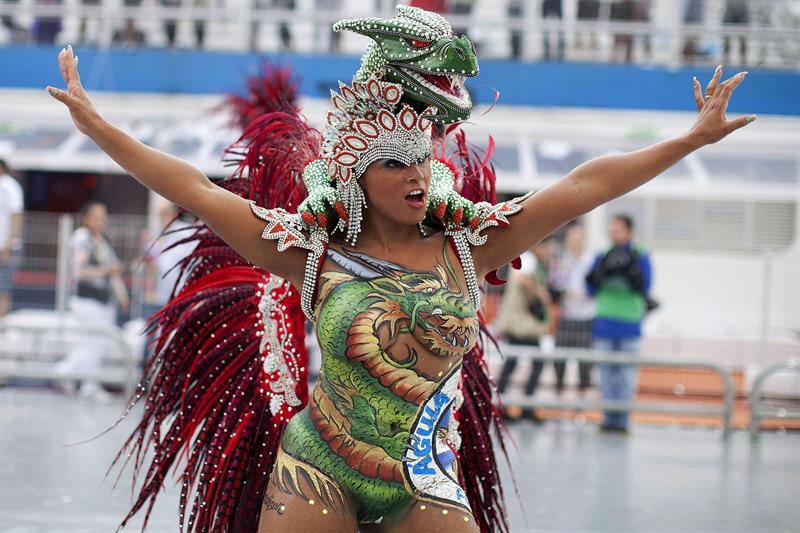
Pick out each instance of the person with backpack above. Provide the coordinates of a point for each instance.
(620, 280)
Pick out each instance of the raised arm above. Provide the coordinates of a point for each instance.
(226, 213)
(602, 179)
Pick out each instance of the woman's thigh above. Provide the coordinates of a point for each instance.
(424, 517)
(301, 499)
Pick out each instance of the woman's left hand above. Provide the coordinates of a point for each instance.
(712, 125)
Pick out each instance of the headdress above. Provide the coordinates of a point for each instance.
(417, 49)
(367, 123)
(370, 121)
(412, 74)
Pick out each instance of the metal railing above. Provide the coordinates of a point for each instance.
(725, 411)
(768, 39)
(757, 413)
(43, 279)
(36, 364)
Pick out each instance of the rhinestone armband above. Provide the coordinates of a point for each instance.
(464, 236)
(290, 231)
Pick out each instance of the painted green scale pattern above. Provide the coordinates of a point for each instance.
(375, 496)
(336, 317)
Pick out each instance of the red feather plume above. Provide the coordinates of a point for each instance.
(206, 392)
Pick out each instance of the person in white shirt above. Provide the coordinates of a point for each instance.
(170, 252)
(97, 290)
(162, 251)
(11, 206)
(577, 306)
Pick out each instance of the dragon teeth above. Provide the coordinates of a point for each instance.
(462, 99)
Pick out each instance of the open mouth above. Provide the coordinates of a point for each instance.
(416, 198)
(457, 339)
(450, 86)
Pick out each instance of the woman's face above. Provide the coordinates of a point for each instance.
(396, 191)
(95, 219)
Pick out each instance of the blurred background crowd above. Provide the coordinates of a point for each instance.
(693, 280)
(748, 32)
(676, 306)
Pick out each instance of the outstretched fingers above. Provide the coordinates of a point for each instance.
(67, 65)
(72, 65)
(740, 122)
(698, 94)
(727, 88)
(712, 85)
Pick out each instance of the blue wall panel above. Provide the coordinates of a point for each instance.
(538, 84)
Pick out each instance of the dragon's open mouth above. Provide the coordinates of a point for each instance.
(456, 339)
(449, 86)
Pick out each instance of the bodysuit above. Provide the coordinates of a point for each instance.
(379, 430)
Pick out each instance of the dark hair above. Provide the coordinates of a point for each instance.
(87, 207)
(3, 164)
(625, 219)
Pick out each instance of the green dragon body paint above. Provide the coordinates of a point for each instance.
(378, 426)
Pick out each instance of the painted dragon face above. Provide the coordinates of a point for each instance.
(418, 50)
(442, 320)
(450, 327)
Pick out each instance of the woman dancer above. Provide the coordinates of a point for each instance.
(393, 303)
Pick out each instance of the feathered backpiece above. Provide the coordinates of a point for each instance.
(274, 90)
(230, 367)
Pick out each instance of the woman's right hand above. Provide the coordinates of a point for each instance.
(83, 113)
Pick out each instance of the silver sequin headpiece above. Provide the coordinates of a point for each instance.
(363, 126)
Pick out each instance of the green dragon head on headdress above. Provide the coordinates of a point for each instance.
(418, 50)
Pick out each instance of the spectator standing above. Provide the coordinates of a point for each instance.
(45, 28)
(628, 11)
(11, 207)
(129, 36)
(516, 11)
(620, 279)
(524, 319)
(737, 13)
(97, 288)
(200, 23)
(577, 308)
(163, 253)
(551, 16)
(284, 33)
(171, 24)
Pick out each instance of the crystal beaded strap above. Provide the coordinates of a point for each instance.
(468, 266)
(466, 236)
(290, 231)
